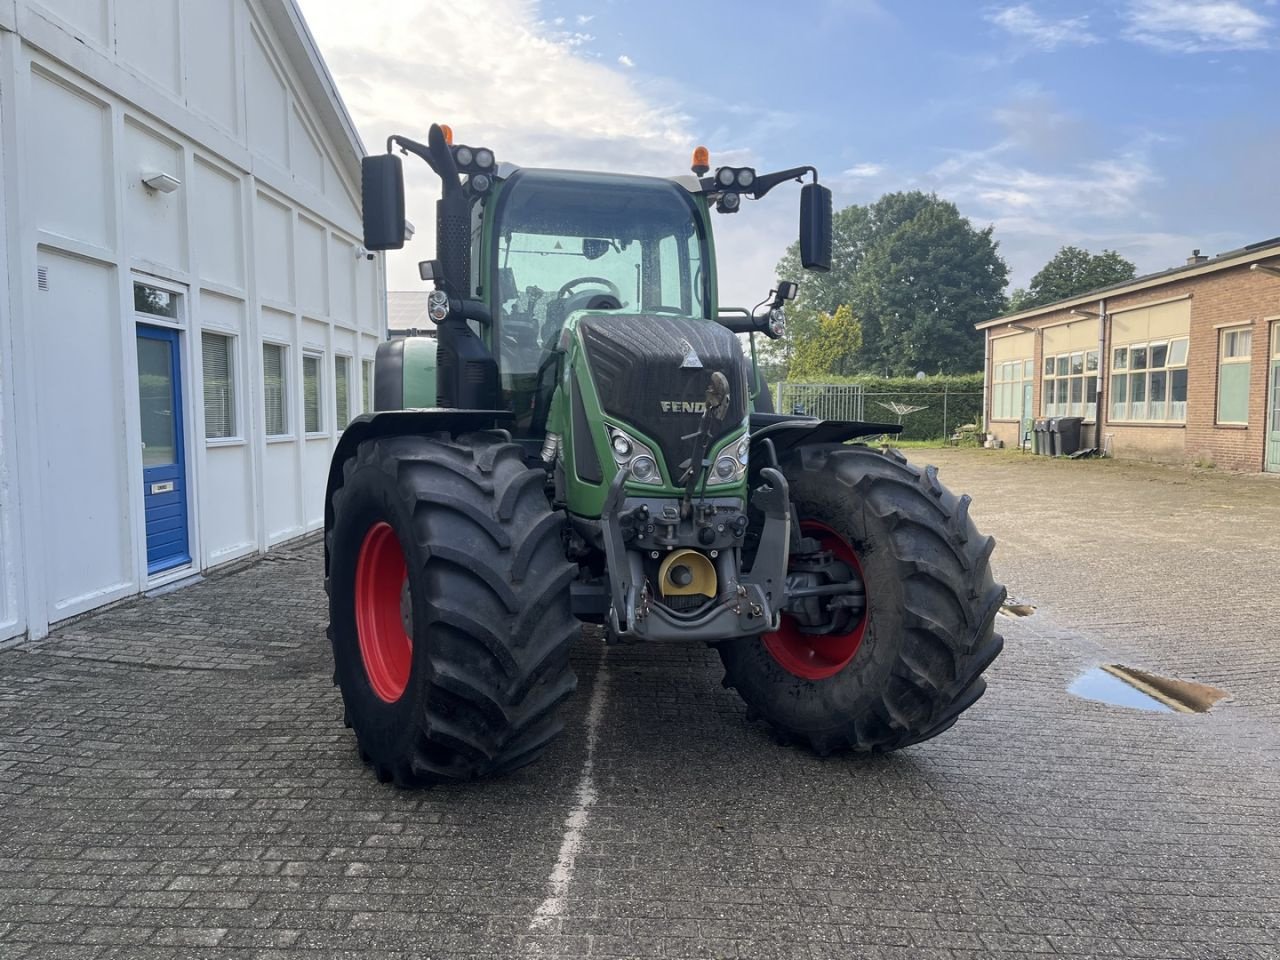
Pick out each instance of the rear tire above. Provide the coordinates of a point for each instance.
(449, 607)
(914, 663)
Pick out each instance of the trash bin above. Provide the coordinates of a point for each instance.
(1067, 437)
(1040, 438)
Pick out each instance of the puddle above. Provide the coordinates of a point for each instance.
(1139, 690)
(1011, 608)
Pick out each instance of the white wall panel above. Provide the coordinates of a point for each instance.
(280, 498)
(273, 249)
(155, 222)
(68, 163)
(368, 316)
(308, 161)
(342, 280)
(88, 17)
(219, 230)
(147, 40)
(210, 61)
(313, 284)
(85, 491)
(316, 455)
(268, 105)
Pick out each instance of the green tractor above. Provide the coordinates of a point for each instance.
(585, 440)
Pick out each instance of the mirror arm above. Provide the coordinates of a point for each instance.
(435, 153)
(406, 145)
(766, 182)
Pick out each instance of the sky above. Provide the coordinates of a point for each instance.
(1145, 126)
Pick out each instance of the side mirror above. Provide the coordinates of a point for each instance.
(382, 200)
(815, 227)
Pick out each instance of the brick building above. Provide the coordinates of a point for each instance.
(1181, 365)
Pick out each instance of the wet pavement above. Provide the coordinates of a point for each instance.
(175, 780)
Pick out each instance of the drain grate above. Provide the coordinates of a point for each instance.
(1137, 689)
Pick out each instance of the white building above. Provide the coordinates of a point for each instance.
(186, 316)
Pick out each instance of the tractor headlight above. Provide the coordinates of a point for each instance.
(480, 182)
(645, 469)
(484, 158)
(731, 464)
(627, 451)
(463, 156)
(726, 176)
(746, 177)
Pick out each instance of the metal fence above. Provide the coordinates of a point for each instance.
(828, 401)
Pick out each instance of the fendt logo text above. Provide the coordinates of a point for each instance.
(683, 406)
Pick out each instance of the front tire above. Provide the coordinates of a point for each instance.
(449, 607)
(907, 668)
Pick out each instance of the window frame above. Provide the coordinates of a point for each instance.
(339, 423)
(285, 407)
(232, 341)
(1059, 374)
(1132, 361)
(366, 384)
(1006, 390)
(1235, 360)
(321, 430)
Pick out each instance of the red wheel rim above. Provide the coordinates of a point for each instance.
(810, 656)
(385, 647)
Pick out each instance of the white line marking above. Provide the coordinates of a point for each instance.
(576, 823)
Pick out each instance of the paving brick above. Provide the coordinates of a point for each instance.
(176, 780)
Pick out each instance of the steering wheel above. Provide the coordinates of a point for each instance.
(608, 284)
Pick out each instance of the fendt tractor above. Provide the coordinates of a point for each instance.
(585, 440)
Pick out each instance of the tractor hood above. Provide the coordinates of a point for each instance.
(652, 371)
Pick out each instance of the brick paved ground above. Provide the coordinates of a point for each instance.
(175, 780)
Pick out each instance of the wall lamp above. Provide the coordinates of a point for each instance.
(161, 182)
(1266, 268)
(1018, 326)
(1086, 313)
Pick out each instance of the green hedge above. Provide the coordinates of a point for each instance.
(962, 395)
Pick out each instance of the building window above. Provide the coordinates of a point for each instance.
(1071, 385)
(218, 352)
(366, 384)
(312, 410)
(1233, 375)
(1008, 379)
(342, 389)
(274, 390)
(1149, 381)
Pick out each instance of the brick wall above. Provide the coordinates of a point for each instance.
(1228, 297)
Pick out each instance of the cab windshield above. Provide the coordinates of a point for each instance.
(569, 242)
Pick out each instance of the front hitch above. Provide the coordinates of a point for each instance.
(749, 602)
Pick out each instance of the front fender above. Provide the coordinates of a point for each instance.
(370, 426)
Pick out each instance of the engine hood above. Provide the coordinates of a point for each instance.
(652, 371)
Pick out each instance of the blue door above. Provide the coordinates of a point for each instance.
(164, 473)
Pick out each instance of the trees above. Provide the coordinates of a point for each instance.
(831, 349)
(915, 274)
(1070, 272)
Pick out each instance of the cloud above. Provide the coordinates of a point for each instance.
(1187, 26)
(861, 171)
(528, 90)
(626, 61)
(1022, 22)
